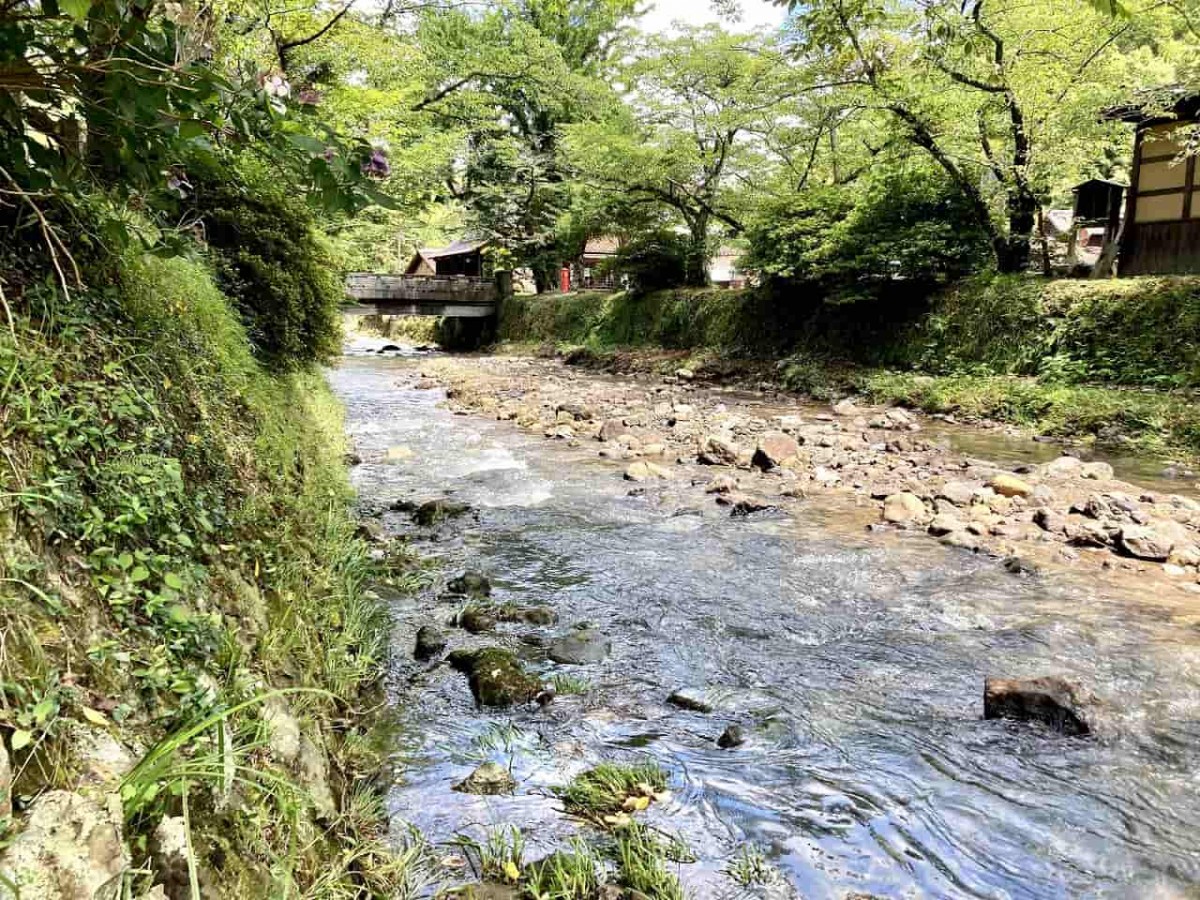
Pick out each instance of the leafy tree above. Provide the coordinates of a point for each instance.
(691, 137)
(1003, 96)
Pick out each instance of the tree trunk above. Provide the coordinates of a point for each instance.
(696, 266)
(1016, 248)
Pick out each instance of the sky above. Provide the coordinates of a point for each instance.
(757, 15)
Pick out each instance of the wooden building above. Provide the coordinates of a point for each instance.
(462, 258)
(1161, 232)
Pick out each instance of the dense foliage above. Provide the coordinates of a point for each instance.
(271, 261)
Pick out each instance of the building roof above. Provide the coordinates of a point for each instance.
(1107, 181)
(605, 245)
(458, 248)
(1165, 103)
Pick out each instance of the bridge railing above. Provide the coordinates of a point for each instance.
(368, 287)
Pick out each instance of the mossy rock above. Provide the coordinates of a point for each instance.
(496, 676)
(435, 512)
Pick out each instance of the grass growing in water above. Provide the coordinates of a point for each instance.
(750, 867)
(642, 864)
(572, 874)
(612, 790)
(499, 857)
(570, 684)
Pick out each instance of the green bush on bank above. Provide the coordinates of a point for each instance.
(175, 542)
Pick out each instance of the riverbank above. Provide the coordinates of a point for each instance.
(1112, 364)
(757, 450)
(194, 637)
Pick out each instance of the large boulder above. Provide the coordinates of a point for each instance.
(312, 773)
(1144, 543)
(70, 849)
(579, 647)
(775, 450)
(1053, 701)
(495, 675)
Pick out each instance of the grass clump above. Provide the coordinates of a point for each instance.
(499, 857)
(572, 874)
(567, 685)
(611, 792)
(642, 864)
(750, 867)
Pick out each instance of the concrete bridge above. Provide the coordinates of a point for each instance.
(449, 296)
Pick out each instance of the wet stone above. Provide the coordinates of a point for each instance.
(731, 737)
(1052, 701)
(496, 676)
(430, 643)
(692, 699)
(490, 779)
(435, 512)
(580, 647)
(476, 620)
(470, 584)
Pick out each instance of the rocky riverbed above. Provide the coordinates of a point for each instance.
(756, 451)
(745, 658)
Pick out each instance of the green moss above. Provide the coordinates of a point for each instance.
(496, 676)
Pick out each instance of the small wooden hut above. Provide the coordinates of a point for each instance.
(1161, 233)
(463, 258)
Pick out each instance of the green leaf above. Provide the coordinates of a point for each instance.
(76, 9)
(44, 710)
(21, 738)
(141, 573)
(125, 560)
(94, 716)
(173, 581)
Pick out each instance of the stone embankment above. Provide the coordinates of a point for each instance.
(751, 453)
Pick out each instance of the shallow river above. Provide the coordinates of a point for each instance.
(854, 662)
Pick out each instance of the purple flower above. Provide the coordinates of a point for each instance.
(377, 166)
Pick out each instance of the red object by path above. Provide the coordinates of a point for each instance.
(564, 280)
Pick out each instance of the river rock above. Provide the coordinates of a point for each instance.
(312, 773)
(434, 512)
(944, 524)
(1098, 471)
(611, 429)
(397, 454)
(477, 620)
(489, 779)
(722, 484)
(904, 508)
(577, 411)
(741, 505)
(283, 730)
(775, 450)
(960, 493)
(719, 451)
(495, 675)
(430, 643)
(371, 531)
(169, 854)
(1053, 701)
(533, 615)
(579, 647)
(1049, 520)
(70, 848)
(644, 471)
(845, 407)
(1143, 543)
(1010, 486)
(1063, 467)
(731, 737)
(470, 584)
(692, 699)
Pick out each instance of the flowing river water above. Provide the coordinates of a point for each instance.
(853, 662)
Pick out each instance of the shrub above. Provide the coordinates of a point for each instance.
(271, 261)
(652, 261)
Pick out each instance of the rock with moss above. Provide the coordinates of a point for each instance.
(496, 676)
(579, 647)
(430, 643)
(489, 779)
(477, 619)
